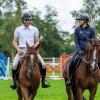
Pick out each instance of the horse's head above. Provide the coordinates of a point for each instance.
(31, 59)
(92, 51)
(31, 52)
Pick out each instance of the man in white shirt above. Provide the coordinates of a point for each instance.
(30, 34)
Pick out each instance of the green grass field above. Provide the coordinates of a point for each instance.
(55, 92)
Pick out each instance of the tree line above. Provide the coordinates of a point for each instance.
(56, 41)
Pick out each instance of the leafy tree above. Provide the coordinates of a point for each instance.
(9, 19)
(54, 44)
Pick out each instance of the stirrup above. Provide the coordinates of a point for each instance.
(68, 82)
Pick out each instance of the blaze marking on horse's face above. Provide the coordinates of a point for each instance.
(94, 59)
(32, 57)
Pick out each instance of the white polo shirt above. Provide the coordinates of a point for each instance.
(26, 34)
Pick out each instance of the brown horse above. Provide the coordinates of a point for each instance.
(29, 75)
(87, 75)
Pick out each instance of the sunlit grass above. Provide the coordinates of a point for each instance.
(55, 92)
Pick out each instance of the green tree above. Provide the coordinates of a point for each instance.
(53, 45)
(9, 19)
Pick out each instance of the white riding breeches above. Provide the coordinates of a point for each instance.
(41, 61)
(17, 59)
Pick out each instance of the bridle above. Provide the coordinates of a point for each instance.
(94, 65)
(29, 67)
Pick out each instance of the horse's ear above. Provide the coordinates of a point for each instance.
(37, 45)
(27, 45)
(41, 39)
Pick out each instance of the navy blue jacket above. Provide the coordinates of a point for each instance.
(81, 36)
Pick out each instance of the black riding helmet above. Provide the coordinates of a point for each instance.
(26, 16)
(83, 17)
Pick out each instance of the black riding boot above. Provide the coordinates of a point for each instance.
(68, 81)
(72, 67)
(13, 86)
(43, 76)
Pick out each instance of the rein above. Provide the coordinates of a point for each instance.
(85, 60)
(30, 66)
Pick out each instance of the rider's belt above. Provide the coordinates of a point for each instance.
(83, 39)
(22, 47)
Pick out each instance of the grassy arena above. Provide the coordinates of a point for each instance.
(55, 92)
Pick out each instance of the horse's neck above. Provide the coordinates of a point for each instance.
(86, 56)
(83, 66)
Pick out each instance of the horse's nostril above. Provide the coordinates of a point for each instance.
(30, 74)
(94, 68)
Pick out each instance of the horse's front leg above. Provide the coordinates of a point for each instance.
(80, 94)
(69, 92)
(25, 92)
(92, 92)
(32, 95)
(19, 93)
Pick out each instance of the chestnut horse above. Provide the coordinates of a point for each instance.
(29, 75)
(87, 75)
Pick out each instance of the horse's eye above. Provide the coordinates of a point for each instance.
(26, 56)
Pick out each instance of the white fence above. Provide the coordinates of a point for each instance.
(54, 64)
(51, 62)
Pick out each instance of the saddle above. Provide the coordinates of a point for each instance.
(18, 69)
(75, 61)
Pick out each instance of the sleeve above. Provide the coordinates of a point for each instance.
(36, 33)
(93, 34)
(16, 33)
(76, 39)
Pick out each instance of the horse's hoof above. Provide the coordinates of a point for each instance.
(30, 75)
(84, 98)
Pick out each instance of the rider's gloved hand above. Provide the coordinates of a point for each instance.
(19, 51)
(42, 39)
(81, 53)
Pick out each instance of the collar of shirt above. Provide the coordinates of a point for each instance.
(29, 27)
(84, 27)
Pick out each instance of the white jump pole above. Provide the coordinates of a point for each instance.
(8, 68)
(53, 67)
